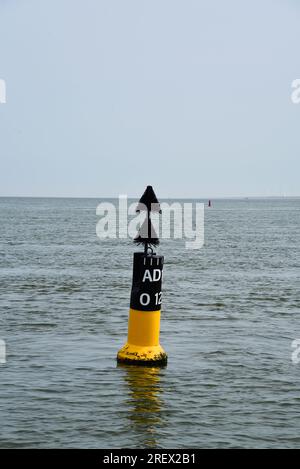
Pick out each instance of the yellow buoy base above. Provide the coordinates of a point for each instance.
(153, 355)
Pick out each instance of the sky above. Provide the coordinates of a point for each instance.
(193, 97)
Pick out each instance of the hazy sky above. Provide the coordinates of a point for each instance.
(191, 96)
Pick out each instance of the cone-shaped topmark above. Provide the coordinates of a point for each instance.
(147, 235)
(148, 200)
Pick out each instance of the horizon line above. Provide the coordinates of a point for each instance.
(132, 197)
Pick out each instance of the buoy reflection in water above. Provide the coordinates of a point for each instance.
(145, 403)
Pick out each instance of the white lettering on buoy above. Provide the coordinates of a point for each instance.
(158, 298)
(147, 276)
(156, 275)
(145, 301)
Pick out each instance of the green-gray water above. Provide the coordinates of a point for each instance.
(230, 313)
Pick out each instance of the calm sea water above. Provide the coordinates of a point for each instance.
(230, 313)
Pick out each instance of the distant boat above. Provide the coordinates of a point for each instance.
(209, 203)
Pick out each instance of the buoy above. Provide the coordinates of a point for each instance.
(142, 346)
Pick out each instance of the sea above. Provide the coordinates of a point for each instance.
(230, 325)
